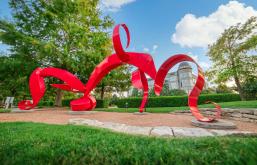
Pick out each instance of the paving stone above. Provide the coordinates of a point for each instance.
(76, 121)
(191, 132)
(163, 131)
(229, 132)
(91, 122)
(218, 124)
(251, 112)
(229, 110)
(17, 110)
(236, 114)
(250, 116)
(113, 126)
(137, 130)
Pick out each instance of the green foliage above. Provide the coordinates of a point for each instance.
(136, 92)
(5, 110)
(208, 91)
(13, 77)
(177, 92)
(168, 92)
(243, 105)
(175, 101)
(102, 103)
(58, 144)
(250, 88)
(67, 34)
(222, 88)
(232, 54)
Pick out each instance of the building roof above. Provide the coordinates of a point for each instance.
(184, 65)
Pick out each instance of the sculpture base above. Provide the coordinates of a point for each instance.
(218, 124)
(141, 113)
(81, 112)
(16, 110)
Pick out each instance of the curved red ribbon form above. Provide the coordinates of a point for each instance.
(145, 64)
(195, 92)
(139, 81)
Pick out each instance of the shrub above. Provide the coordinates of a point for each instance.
(175, 101)
(5, 110)
(102, 103)
(45, 103)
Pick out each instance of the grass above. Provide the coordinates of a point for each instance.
(2, 110)
(34, 143)
(234, 104)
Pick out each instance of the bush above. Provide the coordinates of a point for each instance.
(250, 89)
(174, 101)
(45, 103)
(5, 110)
(102, 103)
(99, 103)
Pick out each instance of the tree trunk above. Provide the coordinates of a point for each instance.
(239, 88)
(58, 98)
(102, 91)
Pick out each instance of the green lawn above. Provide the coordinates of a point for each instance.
(35, 143)
(235, 104)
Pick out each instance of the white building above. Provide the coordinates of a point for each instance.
(183, 79)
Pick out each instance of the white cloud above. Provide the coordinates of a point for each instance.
(192, 31)
(203, 64)
(155, 47)
(152, 50)
(114, 5)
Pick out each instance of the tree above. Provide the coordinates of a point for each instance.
(250, 88)
(13, 75)
(136, 93)
(231, 54)
(222, 88)
(61, 33)
(117, 80)
(177, 92)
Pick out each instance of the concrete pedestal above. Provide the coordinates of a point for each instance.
(218, 124)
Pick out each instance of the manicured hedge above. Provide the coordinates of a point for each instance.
(99, 103)
(174, 101)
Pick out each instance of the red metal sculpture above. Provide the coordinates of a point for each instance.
(142, 61)
(195, 92)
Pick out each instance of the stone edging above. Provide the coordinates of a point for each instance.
(162, 131)
(248, 115)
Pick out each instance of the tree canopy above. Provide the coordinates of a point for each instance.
(72, 35)
(234, 55)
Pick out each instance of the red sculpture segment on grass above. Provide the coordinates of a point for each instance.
(145, 64)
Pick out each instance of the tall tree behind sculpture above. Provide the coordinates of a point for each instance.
(231, 54)
(60, 33)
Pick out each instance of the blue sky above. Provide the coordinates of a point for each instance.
(167, 27)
